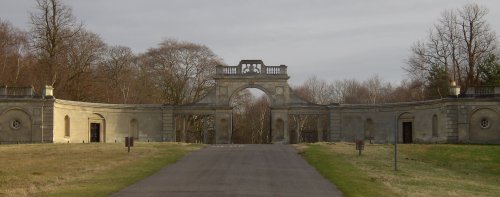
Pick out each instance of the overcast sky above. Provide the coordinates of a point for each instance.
(330, 39)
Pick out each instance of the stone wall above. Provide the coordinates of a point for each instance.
(451, 120)
(438, 121)
(116, 121)
(26, 120)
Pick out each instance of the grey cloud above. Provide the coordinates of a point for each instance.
(333, 39)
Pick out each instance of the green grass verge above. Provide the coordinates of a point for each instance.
(347, 177)
(424, 169)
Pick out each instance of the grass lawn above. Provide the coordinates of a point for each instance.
(424, 169)
(81, 169)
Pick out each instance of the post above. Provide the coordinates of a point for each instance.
(395, 143)
(360, 145)
(43, 106)
(129, 141)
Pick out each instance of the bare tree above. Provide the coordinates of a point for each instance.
(317, 91)
(77, 74)
(378, 90)
(118, 70)
(350, 91)
(478, 40)
(454, 49)
(406, 91)
(15, 58)
(258, 114)
(182, 71)
(53, 26)
(300, 121)
(354, 92)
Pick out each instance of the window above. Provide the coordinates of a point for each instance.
(485, 123)
(15, 124)
(66, 126)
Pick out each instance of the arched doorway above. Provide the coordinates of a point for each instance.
(97, 128)
(405, 128)
(251, 117)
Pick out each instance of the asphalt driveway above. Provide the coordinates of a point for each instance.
(236, 170)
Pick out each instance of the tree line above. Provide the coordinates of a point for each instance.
(59, 51)
(461, 47)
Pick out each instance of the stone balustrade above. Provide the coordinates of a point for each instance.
(250, 67)
(6, 91)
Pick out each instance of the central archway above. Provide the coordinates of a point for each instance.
(251, 117)
(282, 102)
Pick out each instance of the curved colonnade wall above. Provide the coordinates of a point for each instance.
(25, 118)
(438, 121)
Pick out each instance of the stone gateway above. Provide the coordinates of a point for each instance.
(27, 118)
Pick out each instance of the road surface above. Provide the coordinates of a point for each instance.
(236, 170)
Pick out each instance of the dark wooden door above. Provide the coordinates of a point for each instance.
(407, 132)
(95, 132)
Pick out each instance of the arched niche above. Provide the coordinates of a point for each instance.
(67, 126)
(16, 126)
(279, 130)
(484, 126)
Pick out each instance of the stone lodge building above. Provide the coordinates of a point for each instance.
(27, 118)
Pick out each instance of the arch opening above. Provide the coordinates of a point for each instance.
(251, 116)
(194, 128)
(306, 128)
